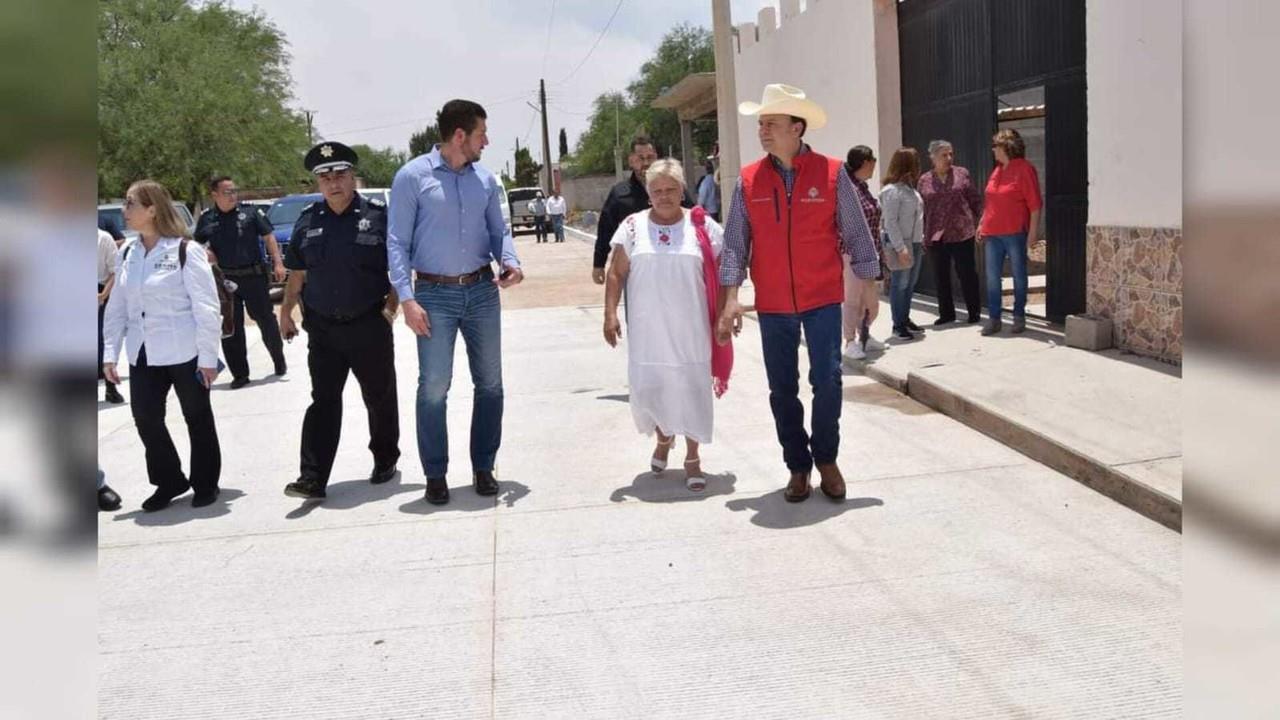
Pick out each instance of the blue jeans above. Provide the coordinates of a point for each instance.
(997, 247)
(557, 224)
(902, 285)
(780, 337)
(475, 310)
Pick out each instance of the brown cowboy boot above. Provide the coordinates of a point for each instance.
(832, 484)
(798, 488)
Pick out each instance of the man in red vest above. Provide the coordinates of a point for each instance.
(793, 221)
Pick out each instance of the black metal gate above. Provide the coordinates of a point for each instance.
(956, 58)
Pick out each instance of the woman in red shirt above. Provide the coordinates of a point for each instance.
(1010, 217)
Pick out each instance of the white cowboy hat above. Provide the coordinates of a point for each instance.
(779, 99)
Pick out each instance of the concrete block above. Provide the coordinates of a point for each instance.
(1089, 332)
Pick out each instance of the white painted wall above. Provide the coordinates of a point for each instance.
(830, 51)
(1134, 65)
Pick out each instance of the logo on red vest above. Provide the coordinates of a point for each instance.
(813, 196)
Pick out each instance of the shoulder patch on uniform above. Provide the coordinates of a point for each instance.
(377, 203)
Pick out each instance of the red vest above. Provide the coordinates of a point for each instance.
(795, 248)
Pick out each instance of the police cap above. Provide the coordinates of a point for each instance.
(328, 157)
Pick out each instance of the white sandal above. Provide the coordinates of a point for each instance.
(695, 483)
(657, 465)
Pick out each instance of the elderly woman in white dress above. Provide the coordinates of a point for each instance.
(667, 258)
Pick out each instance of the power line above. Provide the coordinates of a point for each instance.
(430, 118)
(546, 47)
(607, 25)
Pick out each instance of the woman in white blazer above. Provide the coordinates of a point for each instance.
(165, 305)
(903, 223)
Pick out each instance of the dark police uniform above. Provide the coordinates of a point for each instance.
(345, 258)
(234, 237)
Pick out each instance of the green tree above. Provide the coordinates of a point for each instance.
(421, 142)
(684, 50)
(526, 169)
(188, 91)
(378, 167)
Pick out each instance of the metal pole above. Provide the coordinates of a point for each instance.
(726, 97)
(546, 138)
(617, 138)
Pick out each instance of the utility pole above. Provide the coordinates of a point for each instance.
(546, 138)
(726, 96)
(617, 138)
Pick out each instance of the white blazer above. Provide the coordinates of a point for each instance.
(172, 310)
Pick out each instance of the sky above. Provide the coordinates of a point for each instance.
(374, 71)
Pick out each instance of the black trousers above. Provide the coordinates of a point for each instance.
(540, 227)
(148, 391)
(962, 254)
(102, 311)
(364, 348)
(252, 295)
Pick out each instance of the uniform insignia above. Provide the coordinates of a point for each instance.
(376, 202)
(326, 151)
(315, 231)
(813, 192)
(363, 225)
(240, 216)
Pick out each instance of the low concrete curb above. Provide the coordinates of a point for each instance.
(1089, 471)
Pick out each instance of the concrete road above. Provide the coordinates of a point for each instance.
(960, 579)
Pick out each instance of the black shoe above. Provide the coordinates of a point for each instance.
(437, 491)
(975, 318)
(113, 395)
(108, 499)
(943, 321)
(282, 369)
(903, 333)
(914, 327)
(204, 497)
(161, 498)
(485, 483)
(377, 477)
(238, 383)
(305, 489)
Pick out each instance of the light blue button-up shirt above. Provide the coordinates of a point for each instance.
(444, 222)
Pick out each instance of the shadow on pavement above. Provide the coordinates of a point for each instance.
(253, 382)
(884, 396)
(350, 494)
(668, 487)
(463, 498)
(624, 398)
(774, 512)
(180, 511)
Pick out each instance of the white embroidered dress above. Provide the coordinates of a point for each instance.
(668, 331)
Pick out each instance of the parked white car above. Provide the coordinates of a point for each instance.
(113, 213)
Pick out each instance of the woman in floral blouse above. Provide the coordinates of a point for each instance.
(952, 207)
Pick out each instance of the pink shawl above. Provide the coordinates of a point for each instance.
(721, 355)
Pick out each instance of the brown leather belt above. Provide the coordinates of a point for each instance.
(484, 273)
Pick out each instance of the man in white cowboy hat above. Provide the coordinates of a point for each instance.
(793, 221)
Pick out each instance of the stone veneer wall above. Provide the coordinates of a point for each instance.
(1135, 279)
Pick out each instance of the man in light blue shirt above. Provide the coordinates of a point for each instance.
(445, 230)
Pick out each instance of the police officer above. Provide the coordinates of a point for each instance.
(338, 262)
(232, 231)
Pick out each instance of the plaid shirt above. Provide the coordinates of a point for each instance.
(870, 206)
(857, 243)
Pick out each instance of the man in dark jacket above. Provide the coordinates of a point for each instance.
(627, 197)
